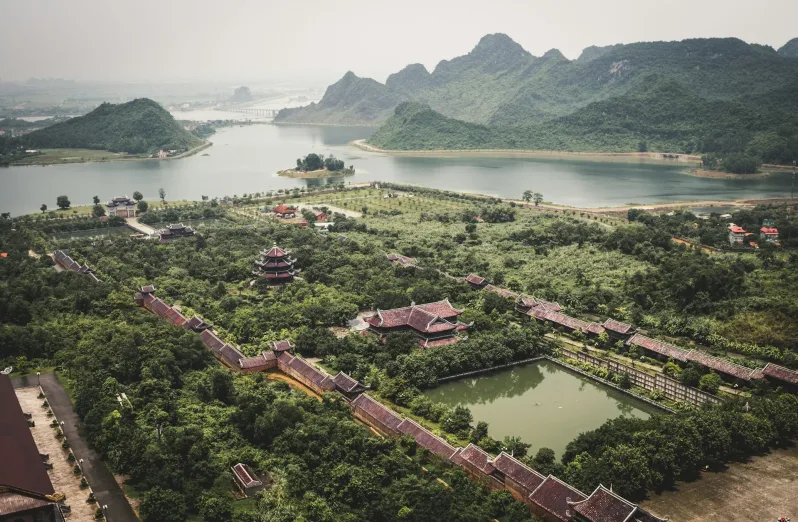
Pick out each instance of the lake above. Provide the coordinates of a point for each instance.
(245, 159)
(542, 403)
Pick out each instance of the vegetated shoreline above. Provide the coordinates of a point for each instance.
(512, 153)
(112, 156)
(314, 174)
(719, 174)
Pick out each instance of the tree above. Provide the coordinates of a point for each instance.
(43, 208)
(710, 383)
(62, 202)
(515, 447)
(537, 197)
(96, 200)
(142, 206)
(138, 196)
(162, 194)
(163, 505)
(215, 509)
(545, 462)
(97, 211)
(459, 419)
(527, 196)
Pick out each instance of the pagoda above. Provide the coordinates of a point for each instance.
(275, 265)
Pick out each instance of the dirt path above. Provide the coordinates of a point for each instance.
(765, 488)
(99, 477)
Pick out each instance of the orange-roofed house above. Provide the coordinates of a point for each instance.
(736, 235)
(769, 234)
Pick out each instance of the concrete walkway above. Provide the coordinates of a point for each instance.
(97, 474)
(139, 227)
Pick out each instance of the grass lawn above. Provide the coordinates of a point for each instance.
(58, 156)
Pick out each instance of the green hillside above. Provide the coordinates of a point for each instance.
(790, 49)
(139, 126)
(657, 114)
(499, 83)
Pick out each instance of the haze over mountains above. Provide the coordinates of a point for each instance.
(701, 95)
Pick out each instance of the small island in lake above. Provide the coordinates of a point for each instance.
(317, 166)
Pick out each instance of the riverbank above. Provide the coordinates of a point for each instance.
(719, 174)
(527, 153)
(315, 174)
(67, 156)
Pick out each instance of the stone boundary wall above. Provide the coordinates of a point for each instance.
(672, 390)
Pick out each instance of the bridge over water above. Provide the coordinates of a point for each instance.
(269, 113)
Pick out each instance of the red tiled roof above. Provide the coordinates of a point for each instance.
(477, 457)
(311, 373)
(781, 373)
(284, 209)
(245, 476)
(531, 302)
(605, 506)
(426, 439)
(196, 323)
(281, 346)
(20, 464)
(147, 289)
(595, 328)
(553, 496)
(573, 323)
(159, 307)
(211, 340)
(737, 230)
(402, 260)
(769, 230)
(275, 252)
(617, 326)
(432, 343)
(260, 360)
(659, 347)
(501, 291)
(518, 472)
(175, 317)
(229, 353)
(720, 365)
(374, 409)
(345, 383)
(474, 279)
(419, 317)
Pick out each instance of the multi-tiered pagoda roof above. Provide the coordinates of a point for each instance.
(275, 264)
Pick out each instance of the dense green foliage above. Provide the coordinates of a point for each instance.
(191, 420)
(637, 455)
(316, 162)
(139, 126)
(658, 115)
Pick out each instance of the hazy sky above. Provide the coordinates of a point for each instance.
(262, 40)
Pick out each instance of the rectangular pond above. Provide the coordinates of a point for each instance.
(543, 403)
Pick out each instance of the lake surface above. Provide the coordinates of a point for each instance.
(245, 159)
(542, 403)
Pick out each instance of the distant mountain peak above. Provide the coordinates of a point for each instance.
(411, 78)
(790, 49)
(498, 44)
(554, 53)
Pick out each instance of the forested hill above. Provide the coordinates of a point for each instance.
(139, 126)
(658, 114)
(500, 83)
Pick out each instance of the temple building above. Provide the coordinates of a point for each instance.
(121, 206)
(172, 232)
(476, 282)
(26, 493)
(526, 303)
(434, 323)
(275, 265)
(246, 479)
(284, 211)
(605, 506)
(401, 260)
(618, 330)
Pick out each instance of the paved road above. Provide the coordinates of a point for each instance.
(100, 478)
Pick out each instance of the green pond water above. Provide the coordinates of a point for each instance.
(542, 403)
